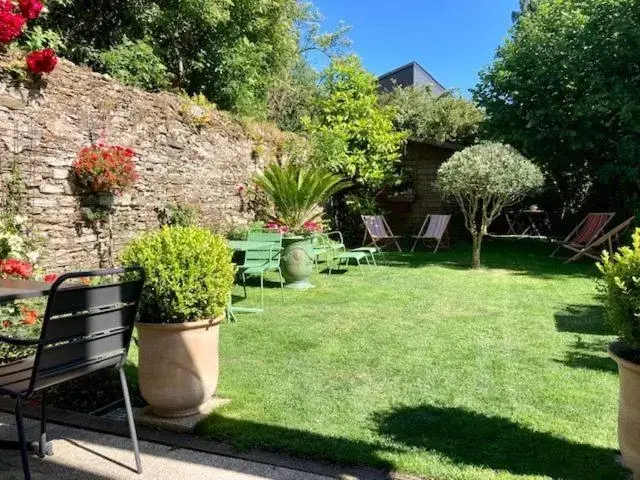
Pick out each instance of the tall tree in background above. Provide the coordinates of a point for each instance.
(427, 116)
(563, 89)
(232, 51)
(365, 146)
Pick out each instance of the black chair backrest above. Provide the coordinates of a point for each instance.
(86, 328)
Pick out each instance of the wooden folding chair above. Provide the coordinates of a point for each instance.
(586, 232)
(434, 229)
(378, 230)
(608, 240)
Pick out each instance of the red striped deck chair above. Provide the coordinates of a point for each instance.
(586, 232)
(608, 241)
(433, 230)
(377, 229)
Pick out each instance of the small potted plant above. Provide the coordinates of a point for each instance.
(189, 275)
(621, 296)
(297, 194)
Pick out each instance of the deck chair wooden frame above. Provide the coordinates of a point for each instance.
(382, 236)
(575, 240)
(434, 229)
(608, 240)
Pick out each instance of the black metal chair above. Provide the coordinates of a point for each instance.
(86, 328)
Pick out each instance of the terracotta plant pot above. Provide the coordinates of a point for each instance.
(628, 409)
(297, 262)
(178, 365)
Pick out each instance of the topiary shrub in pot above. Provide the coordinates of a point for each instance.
(621, 294)
(189, 278)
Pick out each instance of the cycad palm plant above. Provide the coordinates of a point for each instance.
(298, 193)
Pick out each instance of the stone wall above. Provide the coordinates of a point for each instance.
(43, 128)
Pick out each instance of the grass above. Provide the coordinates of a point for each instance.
(425, 367)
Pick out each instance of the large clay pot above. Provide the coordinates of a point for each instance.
(296, 262)
(628, 408)
(178, 365)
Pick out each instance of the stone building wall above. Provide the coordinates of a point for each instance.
(43, 128)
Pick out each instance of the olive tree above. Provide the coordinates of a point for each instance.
(484, 179)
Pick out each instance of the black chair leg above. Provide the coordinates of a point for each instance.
(44, 448)
(24, 455)
(132, 425)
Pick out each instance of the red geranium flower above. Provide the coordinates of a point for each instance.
(50, 277)
(6, 6)
(11, 25)
(42, 61)
(12, 267)
(31, 9)
(29, 315)
(106, 169)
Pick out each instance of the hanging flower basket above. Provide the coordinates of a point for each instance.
(105, 169)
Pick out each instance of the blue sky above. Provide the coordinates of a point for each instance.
(452, 39)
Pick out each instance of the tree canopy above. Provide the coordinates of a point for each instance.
(563, 89)
(355, 136)
(231, 51)
(427, 116)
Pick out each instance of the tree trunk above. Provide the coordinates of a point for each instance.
(477, 245)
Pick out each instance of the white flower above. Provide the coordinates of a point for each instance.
(19, 219)
(33, 257)
(15, 243)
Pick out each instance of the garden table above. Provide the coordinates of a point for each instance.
(245, 246)
(11, 289)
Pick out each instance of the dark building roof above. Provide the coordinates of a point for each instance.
(409, 75)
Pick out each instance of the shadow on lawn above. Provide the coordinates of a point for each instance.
(471, 438)
(590, 355)
(585, 319)
(522, 256)
(247, 435)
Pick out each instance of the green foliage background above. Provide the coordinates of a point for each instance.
(564, 90)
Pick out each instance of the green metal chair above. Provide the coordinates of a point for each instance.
(324, 244)
(257, 261)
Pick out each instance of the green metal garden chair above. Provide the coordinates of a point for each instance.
(266, 258)
(326, 244)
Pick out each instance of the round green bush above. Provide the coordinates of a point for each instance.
(189, 274)
(621, 291)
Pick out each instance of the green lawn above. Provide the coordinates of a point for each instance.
(427, 368)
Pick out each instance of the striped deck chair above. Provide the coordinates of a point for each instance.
(377, 229)
(434, 229)
(586, 232)
(607, 241)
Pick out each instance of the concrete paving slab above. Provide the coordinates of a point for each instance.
(87, 455)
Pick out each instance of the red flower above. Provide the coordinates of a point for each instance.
(42, 61)
(31, 9)
(6, 6)
(11, 25)
(50, 277)
(29, 315)
(106, 169)
(12, 267)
